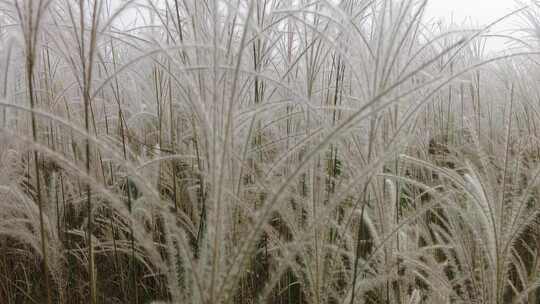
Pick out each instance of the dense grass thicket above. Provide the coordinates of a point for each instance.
(266, 151)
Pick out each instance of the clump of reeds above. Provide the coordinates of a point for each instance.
(263, 151)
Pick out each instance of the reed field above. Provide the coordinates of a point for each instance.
(267, 151)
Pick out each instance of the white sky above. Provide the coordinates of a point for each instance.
(482, 12)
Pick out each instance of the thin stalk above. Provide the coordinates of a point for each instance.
(87, 65)
(45, 264)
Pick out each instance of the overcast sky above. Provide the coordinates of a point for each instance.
(481, 11)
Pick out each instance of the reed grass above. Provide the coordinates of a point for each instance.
(265, 151)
